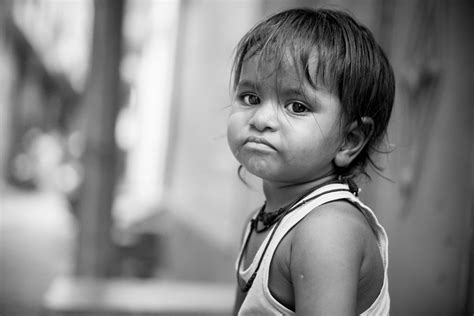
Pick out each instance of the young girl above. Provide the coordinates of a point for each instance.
(313, 93)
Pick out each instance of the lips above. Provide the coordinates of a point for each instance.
(259, 141)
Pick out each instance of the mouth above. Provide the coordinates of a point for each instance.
(259, 141)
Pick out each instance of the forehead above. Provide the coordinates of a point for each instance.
(280, 69)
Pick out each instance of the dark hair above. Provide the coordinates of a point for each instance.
(349, 63)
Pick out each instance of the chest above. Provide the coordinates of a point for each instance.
(279, 281)
(255, 241)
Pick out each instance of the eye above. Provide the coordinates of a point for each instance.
(250, 99)
(297, 107)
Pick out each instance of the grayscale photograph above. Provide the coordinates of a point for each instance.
(236, 157)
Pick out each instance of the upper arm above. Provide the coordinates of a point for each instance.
(326, 256)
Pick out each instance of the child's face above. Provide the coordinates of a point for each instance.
(280, 127)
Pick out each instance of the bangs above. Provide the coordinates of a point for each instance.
(309, 44)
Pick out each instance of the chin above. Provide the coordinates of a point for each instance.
(266, 174)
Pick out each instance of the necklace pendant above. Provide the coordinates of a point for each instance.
(268, 218)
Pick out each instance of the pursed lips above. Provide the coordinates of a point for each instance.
(259, 140)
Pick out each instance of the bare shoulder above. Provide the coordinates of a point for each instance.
(338, 221)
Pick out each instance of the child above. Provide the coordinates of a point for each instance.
(313, 94)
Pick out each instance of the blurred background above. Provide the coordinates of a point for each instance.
(119, 195)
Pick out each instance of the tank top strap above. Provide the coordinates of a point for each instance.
(380, 233)
(246, 273)
(326, 194)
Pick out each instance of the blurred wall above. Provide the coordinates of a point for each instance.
(427, 211)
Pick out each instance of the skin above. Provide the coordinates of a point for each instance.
(289, 133)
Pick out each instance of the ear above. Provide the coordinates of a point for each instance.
(357, 136)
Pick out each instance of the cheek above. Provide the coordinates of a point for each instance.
(312, 150)
(231, 141)
(233, 132)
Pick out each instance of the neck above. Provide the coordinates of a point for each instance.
(278, 195)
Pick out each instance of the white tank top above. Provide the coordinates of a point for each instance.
(259, 300)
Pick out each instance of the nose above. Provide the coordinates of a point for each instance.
(265, 117)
